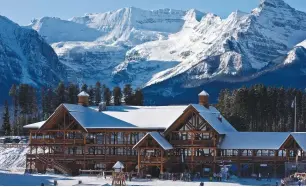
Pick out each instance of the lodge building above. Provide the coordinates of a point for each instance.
(156, 139)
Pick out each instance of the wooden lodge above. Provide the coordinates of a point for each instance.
(156, 139)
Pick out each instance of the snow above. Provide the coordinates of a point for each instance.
(203, 93)
(13, 159)
(19, 179)
(158, 117)
(83, 93)
(212, 115)
(302, 44)
(89, 118)
(254, 140)
(34, 125)
(158, 138)
(118, 165)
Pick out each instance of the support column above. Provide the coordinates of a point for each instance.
(138, 166)
(274, 170)
(161, 161)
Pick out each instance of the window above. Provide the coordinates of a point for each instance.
(100, 139)
(98, 151)
(230, 152)
(100, 166)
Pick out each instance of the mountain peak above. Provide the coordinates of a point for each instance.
(273, 3)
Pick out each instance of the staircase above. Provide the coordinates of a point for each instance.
(56, 165)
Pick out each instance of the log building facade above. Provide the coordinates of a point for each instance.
(154, 140)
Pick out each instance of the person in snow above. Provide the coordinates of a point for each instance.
(202, 184)
(215, 176)
(269, 177)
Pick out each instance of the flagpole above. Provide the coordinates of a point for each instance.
(295, 114)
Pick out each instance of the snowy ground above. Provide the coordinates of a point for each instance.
(19, 179)
(13, 159)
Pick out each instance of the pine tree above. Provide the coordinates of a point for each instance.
(98, 93)
(107, 95)
(138, 98)
(6, 126)
(84, 88)
(13, 93)
(117, 94)
(72, 97)
(128, 94)
(60, 93)
(91, 98)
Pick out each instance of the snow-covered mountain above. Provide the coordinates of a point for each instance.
(92, 46)
(214, 47)
(170, 51)
(26, 58)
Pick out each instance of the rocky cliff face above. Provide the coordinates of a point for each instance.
(26, 58)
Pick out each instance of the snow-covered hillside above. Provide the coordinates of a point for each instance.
(26, 58)
(13, 158)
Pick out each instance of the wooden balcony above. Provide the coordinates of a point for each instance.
(190, 143)
(153, 160)
(56, 141)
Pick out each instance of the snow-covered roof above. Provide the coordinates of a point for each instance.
(155, 117)
(34, 125)
(212, 115)
(158, 138)
(89, 118)
(203, 93)
(118, 165)
(300, 138)
(83, 93)
(254, 140)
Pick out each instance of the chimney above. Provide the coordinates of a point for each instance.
(83, 98)
(203, 99)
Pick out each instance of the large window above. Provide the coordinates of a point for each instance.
(230, 152)
(265, 153)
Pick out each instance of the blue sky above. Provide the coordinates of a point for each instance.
(23, 11)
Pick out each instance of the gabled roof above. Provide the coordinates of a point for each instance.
(203, 93)
(147, 117)
(300, 138)
(34, 125)
(118, 165)
(83, 93)
(89, 118)
(211, 115)
(158, 138)
(254, 140)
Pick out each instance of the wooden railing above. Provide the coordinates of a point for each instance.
(51, 162)
(188, 143)
(56, 141)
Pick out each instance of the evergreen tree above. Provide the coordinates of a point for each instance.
(6, 126)
(13, 93)
(84, 88)
(117, 95)
(138, 98)
(60, 94)
(98, 93)
(107, 95)
(128, 94)
(72, 94)
(91, 98)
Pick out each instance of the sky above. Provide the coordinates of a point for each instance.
(23, 11)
